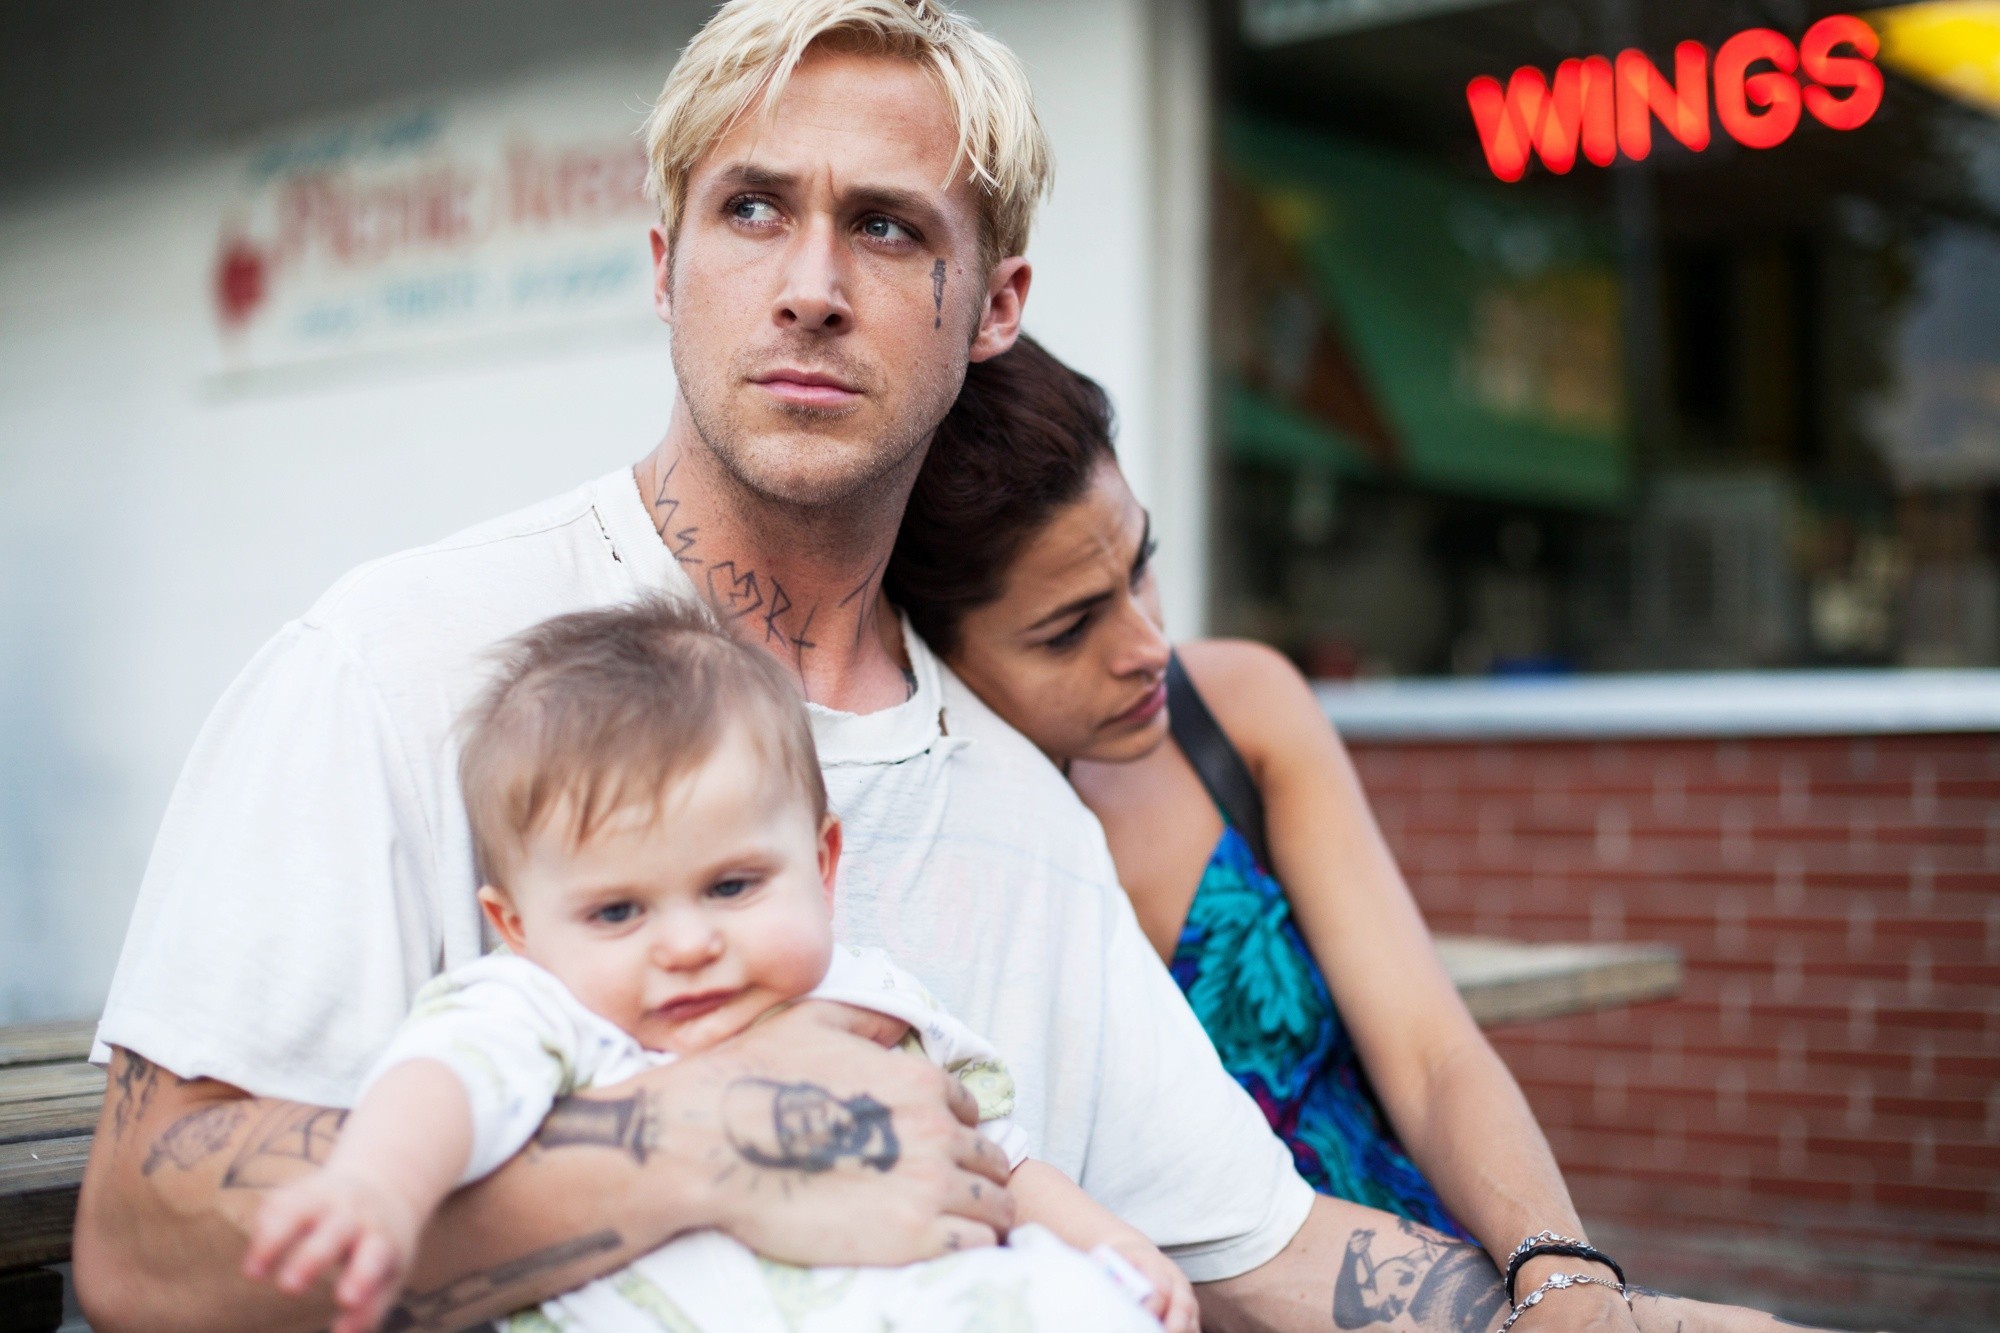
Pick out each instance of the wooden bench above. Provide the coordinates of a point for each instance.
(49, 1096)
(48, 1107)
(1506, 981)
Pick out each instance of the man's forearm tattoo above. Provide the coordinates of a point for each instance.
(196, 1137)
(1443, 1285)
(803, 1127)
(629, 1124)
(441, 1310)
(291, 1135)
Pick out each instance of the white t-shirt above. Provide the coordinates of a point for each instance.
(314, 871)
(517, 1039)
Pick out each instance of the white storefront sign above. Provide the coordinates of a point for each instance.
(518, 216)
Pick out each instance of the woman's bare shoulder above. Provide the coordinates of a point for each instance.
(1258, 696)
(1235, 661)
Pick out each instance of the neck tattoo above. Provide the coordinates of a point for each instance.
(747, 598)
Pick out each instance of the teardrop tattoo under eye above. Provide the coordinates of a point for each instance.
(937, 293)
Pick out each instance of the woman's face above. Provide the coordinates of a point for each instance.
(1072, 654)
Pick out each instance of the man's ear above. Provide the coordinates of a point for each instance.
(1000, 316)
(829, 852)
(499, 909)
(663, 272)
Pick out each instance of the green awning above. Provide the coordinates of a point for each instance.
(1473, 338)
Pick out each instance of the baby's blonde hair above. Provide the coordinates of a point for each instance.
(598, 711)
(746, 53)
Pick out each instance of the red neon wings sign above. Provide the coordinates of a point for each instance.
(1599, 108)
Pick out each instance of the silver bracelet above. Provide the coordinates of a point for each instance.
(1560, 1282)
(1555, 1243)
(1544, 1238)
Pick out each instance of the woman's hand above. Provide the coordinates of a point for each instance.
(1585, 1307)
(1580, 1309)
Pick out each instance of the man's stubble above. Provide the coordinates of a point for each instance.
(814, 468)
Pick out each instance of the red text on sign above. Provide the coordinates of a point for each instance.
(1600, 108)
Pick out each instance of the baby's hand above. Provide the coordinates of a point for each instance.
(335, 1220)
(866, 1024)
(1172, 1301)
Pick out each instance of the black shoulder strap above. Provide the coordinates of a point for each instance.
(1215, 760)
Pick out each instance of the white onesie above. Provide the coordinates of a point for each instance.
(518, 1040)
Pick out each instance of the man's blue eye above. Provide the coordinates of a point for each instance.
(752, 210)
(886, 229)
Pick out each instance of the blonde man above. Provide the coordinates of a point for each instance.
(845, 188)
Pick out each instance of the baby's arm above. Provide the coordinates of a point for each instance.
(401, 1151)
(1045, 1195)
(867, 980)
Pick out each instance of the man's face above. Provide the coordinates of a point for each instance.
(826, 287)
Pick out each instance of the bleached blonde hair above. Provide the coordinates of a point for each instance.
(746, 53)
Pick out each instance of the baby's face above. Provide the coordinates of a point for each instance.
(682, 923)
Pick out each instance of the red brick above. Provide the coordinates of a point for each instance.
(1848, 872)
(1934, 1108)
(1985, 1067)
(1942, 1198)
(1971, 1157)
(1834, 1193)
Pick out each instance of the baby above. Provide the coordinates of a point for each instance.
(648, 816)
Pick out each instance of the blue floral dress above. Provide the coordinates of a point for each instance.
(1256, 988)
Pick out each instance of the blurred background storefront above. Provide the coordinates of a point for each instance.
(1612, 389)
(1602, 396)
(1728, 406)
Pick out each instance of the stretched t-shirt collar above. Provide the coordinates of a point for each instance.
(621, 511)
(888, 736)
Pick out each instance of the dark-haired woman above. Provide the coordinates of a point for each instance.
(1250, 856)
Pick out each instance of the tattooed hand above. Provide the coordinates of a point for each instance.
(835, 1151)
(804, 1127)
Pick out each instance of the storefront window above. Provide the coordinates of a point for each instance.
(1681, 355)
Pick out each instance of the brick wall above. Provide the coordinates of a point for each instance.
(1815, 1122)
